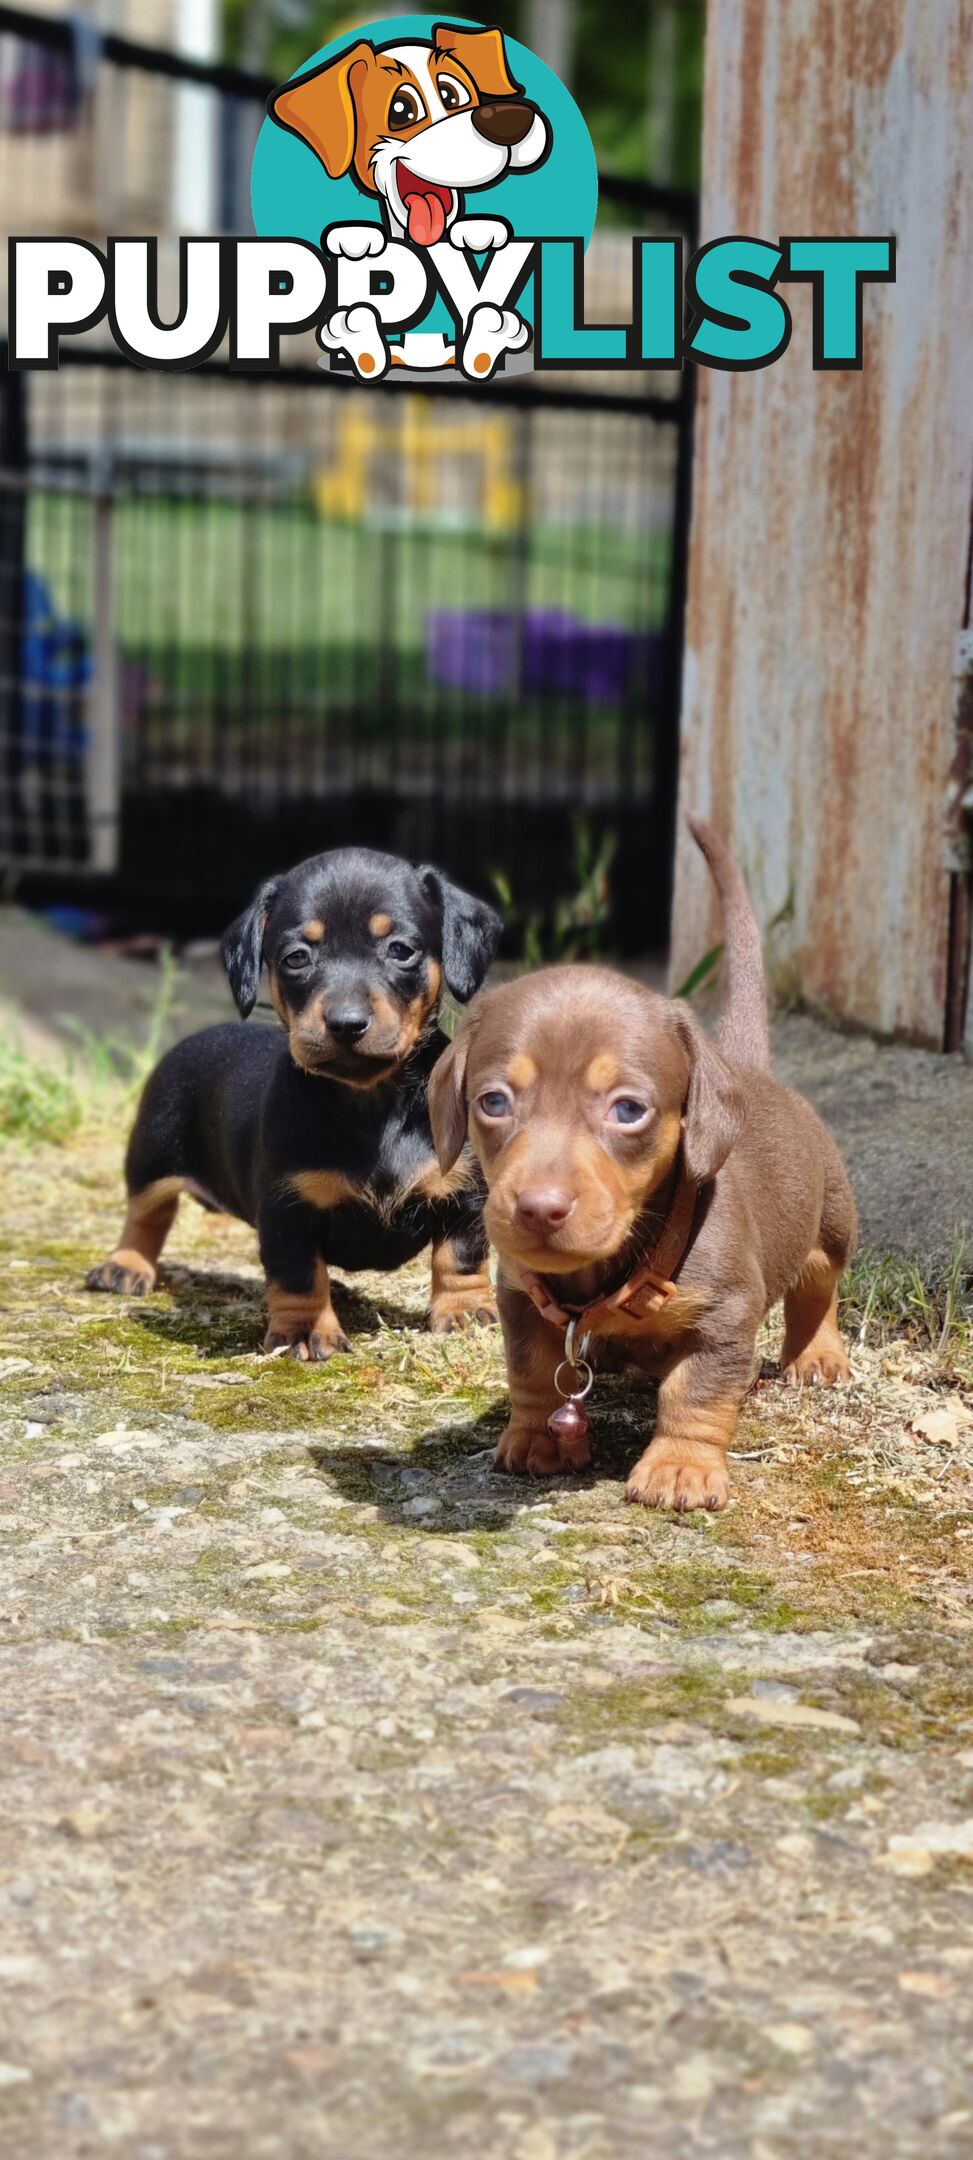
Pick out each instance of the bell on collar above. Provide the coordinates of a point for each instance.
(569, 1422)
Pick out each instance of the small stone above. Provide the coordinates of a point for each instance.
(909, 1861)
(790, 1713)
(538, 1702)
(453, 1549)
(423, 1508)
(512, 1983)
(83, 1822)
(267, 1571)
(534, 2066)
(916, 1852)
(14, 2074)
(593, 1822)
(368, 1939)
(693, 2078)
(932, 1985)
(796, 1845)
(790, 2039)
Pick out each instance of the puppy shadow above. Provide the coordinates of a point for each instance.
(223, 1316)
(446, 1481)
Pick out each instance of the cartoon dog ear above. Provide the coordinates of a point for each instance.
(482, 53)
(242, 948)
(471, 933)
(446, 1096)
(716, 1106)
(321, 109)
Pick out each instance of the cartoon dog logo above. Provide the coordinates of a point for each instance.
(420, 124)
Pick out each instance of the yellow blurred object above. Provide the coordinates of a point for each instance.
(421, 441)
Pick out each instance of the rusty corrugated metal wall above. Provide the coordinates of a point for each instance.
(831, 512)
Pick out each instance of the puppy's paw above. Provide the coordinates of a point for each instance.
(491, 332)
(357, 331)
(355, 242)
(680, 1475)
(532, 1451)
(313, 1348)
(123, 1274)
(824, 1363)
(479, 234)
(445, 1318)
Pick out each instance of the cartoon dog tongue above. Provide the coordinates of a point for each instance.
(426, 213)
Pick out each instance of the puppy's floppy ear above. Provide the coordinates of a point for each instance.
(242, 948)
(716, 1106)
(482, 53)
(471, 933)
(320, 108)
(446, 1096)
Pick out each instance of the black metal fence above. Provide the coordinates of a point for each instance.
(244, 617)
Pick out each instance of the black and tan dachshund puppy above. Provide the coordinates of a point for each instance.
(322, 1141)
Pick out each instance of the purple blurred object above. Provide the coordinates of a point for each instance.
(472, 649)
(493, 651)
(598, 662)
(43, 97)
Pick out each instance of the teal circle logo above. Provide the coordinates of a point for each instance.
(425, 156)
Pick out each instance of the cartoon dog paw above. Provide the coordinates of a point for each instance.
(354, 241)
(357, 331)
(491, 332)
(479, 234)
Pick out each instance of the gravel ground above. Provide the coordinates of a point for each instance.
(356, 1800)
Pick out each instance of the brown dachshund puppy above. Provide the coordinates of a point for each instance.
(659, 1191)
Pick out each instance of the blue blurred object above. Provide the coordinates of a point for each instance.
(55, 668)
(85, 924)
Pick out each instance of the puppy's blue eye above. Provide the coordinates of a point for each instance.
(397, 949)
(496, 1103)
(627, 1110)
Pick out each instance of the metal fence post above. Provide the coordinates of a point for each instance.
(13, 560)
(104, 759)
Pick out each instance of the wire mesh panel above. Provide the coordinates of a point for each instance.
(244, 617)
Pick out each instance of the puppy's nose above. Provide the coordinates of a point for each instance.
(506, 124)
(348, 1024)
(544, 1207)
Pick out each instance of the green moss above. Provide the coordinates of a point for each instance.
(696, 1692)
(769, 1759)
(824, 1807)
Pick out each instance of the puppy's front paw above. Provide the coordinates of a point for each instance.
(532, 1451)
(355, 242)
(314, 1348)
(480, 235)
(357, 331)
(822, 1364)
(123, 1274)
(680, 1474)
(491, 332)
(449, 1319)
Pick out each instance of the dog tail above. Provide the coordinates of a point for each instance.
(743, 1033)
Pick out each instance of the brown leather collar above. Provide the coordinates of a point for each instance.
(648, 1286)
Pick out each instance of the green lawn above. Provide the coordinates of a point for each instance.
(246, 579)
